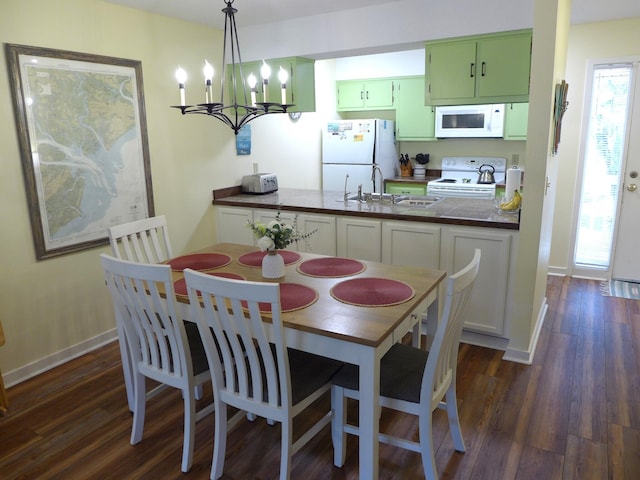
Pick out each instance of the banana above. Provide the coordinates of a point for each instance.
(512, 204)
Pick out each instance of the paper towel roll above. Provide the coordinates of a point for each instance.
(513, 181)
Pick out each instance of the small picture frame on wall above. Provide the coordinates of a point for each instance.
(82, 132)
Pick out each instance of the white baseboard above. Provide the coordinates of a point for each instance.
(482, 340)
(526, 356)
(58, 358)
(558, 271)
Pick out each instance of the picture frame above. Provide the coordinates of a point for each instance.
(82, 133)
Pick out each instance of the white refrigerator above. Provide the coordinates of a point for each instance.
(353, 147)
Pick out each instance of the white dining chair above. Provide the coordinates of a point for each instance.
(251, 367)
(160, 348)
(144, 241)
(413, 380)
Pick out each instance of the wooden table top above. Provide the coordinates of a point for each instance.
(331, 317)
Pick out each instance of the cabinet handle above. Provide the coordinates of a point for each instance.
(367, 95)
(472, 70)
(484, 69)
(361, 95)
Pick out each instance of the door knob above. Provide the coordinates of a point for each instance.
(632, 187)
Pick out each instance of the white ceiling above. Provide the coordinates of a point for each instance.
(255, 12)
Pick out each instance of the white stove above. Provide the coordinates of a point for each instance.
(460, 177)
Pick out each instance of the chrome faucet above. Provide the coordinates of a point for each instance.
(346, 194)
(373, 178)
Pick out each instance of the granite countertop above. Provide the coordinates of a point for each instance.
(450, 210)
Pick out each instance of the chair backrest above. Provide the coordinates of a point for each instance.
(144, 299)
(442, 362)
(142, 241)
(249, 367)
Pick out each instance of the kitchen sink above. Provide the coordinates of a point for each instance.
(374, 198)
(418, 201)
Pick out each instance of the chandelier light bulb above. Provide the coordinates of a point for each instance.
(252, 81)
(283, 77)
(181, 77)
(208, 76)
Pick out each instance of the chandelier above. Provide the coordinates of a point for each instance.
(235, 114)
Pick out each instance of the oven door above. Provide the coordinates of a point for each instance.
(458, 190)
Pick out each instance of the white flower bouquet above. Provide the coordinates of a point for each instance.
(276, 234)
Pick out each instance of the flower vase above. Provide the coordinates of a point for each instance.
(273, 265)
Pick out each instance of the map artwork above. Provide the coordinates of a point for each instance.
(86, 144)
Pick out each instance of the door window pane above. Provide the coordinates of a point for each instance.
(602, 163)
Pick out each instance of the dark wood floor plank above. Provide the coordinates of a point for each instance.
(549, 419)
(623, 384)
(585, 459)
(588, 413)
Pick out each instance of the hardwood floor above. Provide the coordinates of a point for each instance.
(573, 414)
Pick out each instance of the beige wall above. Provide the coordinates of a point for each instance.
(603, 40)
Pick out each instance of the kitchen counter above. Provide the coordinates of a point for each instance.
(454, 211)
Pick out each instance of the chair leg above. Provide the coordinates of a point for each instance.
(189, 427)
(426, 446)
(219, 439)
(127, 368)
(338, 437)
(454, 420)
(139, 400)
(285, 448)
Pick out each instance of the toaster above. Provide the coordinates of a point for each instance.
(259, 183)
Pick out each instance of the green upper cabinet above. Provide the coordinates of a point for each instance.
(516, 116)
(414, 120)
(480, 69)
(300, 89)
(375, 94)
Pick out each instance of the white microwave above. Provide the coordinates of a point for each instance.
(470, 121)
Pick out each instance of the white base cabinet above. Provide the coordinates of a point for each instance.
(486, 310)
(359, 238)
(322, 242)
(411, 243)
(232, 225)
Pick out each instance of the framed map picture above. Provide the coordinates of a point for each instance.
(83, 141)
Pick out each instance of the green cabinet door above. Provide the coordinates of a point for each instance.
(349, 95)
(504, 64)
(516, 118)
(378, 94)
(450, 70)
(414, 120)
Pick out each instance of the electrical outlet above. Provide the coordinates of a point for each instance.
(515, 158)
(255, 167)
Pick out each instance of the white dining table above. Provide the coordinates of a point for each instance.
(360, 335)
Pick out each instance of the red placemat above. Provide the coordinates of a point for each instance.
(331, 267)
(254, 259)
(180, 286)
(293, 296)
(199, 261)
(372, 292)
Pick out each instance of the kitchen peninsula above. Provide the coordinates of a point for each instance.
(441, 236)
